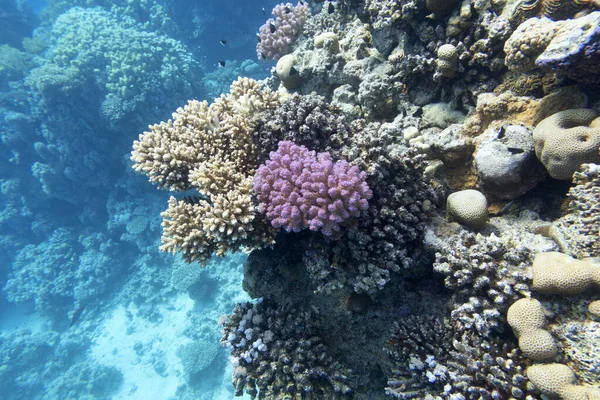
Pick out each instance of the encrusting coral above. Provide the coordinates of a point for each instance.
(208, 148)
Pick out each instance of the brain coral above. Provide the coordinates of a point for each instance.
(566, 140)
(558, 273)
(468, 207)
(526, 317)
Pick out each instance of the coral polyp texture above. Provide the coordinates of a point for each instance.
(299, 189)
(277, 35)
(577, 231)
(566, 140)
(527, 319)
(208, 148)
(558, 273)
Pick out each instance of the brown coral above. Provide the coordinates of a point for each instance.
(208, 148)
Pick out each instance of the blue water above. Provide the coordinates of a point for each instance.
(89, 308)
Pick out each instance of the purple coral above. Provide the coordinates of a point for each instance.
(298, 189)
(277, 35)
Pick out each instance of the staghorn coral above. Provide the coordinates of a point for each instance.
(277, 35)
(277, 354)
(432, 358)
(208, 148)
(577, 231)
(299, 189)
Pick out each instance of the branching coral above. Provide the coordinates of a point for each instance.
(434, 358)
(299, 189)
(306, 120)
(277, 35)
(208, 148)
(277, 354)
(389, 238)
(487, 273)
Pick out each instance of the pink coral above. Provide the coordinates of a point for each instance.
(298, 189)
(277, 35)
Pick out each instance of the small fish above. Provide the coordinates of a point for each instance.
(301, 2)
(293, 71)
(272, 27)
(330, 8)
(287, 10)
(264, 12)
(223, 42)
(222, 63)
(262, 54)
(76, 314)
(501, 132)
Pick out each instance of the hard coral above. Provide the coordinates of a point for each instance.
(299, 189)
(434, 359)
(277, 353)
(277, 35)
(567, 47)
(577, 232)
(527, 318)
(208, 148)
(566, 140)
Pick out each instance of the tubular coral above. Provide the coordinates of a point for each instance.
(289, 21)
(298, 189)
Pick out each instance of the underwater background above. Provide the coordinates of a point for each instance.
(361, 199)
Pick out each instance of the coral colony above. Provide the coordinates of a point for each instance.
(392, 199)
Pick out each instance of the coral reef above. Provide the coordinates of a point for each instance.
(565, 47)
